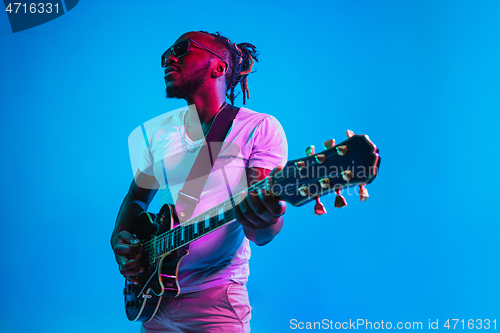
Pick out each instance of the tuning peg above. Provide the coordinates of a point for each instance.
(363, 192)
(349, 133)
(319, 209)
(329, 143)
(304, 191)
(347, 175)
(339, 200)
(310, 150)
(342, 150)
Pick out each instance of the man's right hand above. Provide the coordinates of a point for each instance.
(127, 254)
(125, 245)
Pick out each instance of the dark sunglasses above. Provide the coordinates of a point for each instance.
(181, 48)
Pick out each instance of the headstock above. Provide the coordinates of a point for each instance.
(353, 162)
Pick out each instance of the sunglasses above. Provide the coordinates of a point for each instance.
(181, 48)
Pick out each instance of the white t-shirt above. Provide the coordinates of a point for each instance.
(254, 140)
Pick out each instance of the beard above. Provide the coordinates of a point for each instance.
(184, 88)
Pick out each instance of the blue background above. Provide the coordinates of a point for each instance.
(421, 78)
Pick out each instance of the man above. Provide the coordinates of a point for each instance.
(203, 69)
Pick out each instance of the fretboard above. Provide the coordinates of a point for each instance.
(190, 230)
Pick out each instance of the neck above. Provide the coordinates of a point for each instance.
(206, 108)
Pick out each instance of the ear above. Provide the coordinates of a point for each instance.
(220, 69)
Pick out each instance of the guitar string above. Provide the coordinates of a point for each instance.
(198, 219)
(213, 209)
(203, 218)
(253, 187)
(177, 231)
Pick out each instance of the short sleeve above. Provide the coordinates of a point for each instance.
(147, 159)
(270, 147)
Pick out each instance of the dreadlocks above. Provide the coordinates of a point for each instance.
(241, 60)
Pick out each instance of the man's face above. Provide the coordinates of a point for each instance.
(185, 75)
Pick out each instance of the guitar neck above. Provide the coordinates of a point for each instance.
(194, 228)
(352, 162)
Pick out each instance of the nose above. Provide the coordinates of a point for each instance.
(170, 58)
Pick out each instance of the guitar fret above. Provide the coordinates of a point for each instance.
(190, 234)
(225, 218)
(207, 221)
(213, 222)
(174, 239)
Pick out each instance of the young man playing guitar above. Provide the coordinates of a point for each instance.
(204, 69)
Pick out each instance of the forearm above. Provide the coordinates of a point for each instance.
(130, 209)
(263, 236)
(142, 190)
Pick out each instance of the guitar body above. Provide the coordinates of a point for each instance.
(160, 277)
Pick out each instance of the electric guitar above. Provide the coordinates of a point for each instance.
(164, 243)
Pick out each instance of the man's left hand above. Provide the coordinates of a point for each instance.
(260, 212)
